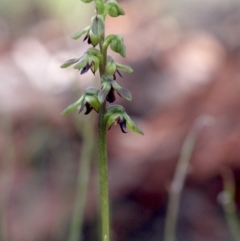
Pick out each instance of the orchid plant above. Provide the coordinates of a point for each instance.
(95, 59)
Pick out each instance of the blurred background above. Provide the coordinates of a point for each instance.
(186, 60)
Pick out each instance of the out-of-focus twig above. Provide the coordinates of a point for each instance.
(180, 177)
(87, 131)
(227, 198)
(8, 162)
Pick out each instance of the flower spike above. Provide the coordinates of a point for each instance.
(93, 99)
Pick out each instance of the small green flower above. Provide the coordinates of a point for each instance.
(109, 86)
(89, 60)
(113, 67)
(116, 114)
(89, 100)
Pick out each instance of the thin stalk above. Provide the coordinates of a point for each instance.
(9, 163)
(177, 186)
(229, 205)
(82, 180)
(180, 175)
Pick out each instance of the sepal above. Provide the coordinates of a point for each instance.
(82, 63)
(121, 91)
(69, 62)
(98, 25)
(124, 68)
(72, 107)
(79, 34)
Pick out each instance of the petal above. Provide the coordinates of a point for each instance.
(118, 73)
(131, 125)
(121, 91)
(111, 96)
(86, 37)
(126, 94)
(123, 125)
(88, 108)
(82, 107)
(85, 69)
(89, 41)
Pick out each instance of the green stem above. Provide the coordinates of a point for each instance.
(103, 172)
(102, 148)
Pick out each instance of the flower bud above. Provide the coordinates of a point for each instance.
(115, 10)
(118, 46)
